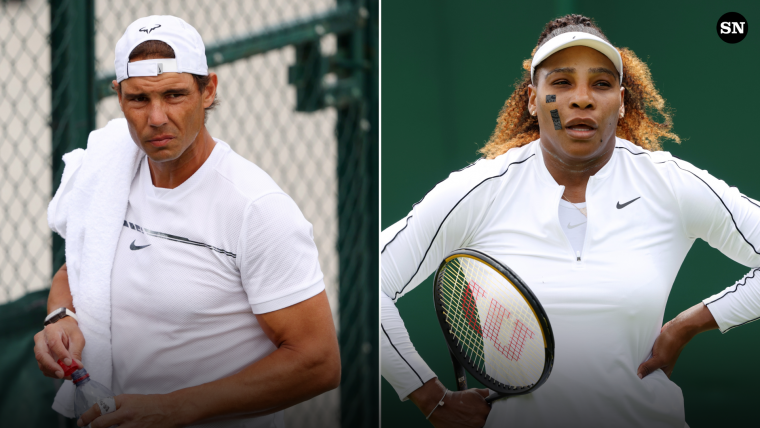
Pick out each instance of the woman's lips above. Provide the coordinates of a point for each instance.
(580, 132)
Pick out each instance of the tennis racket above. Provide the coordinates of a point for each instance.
(494, 326)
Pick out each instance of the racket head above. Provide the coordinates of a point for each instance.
(493, 323)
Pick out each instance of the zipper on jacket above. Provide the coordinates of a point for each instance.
(578, 256)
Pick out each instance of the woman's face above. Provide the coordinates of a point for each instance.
(578, 99)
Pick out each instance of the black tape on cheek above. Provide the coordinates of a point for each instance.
(555, 119)
(551, 98)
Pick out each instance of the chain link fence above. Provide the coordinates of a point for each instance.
(25, 148)
(293, 100)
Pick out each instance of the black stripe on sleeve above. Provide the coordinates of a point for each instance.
(399, 354)
(750, 201)
(417, 203)
(746, 277)
(739, 325)
(396, 294)
(711, 189)
(401, 230)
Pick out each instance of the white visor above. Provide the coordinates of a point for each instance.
(152, 67)
(567, 40)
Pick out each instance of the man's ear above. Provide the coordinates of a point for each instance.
(210, 91)
(116, 87)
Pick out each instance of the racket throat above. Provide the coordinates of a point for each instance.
(459, 372)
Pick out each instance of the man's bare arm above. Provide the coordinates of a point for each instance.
(60, 340)
(305, 364)
(60, 294)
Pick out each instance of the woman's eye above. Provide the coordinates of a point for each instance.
(603, 83)
(561, 82)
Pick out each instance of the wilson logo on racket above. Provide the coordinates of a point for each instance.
(493, 324)
(494, 321)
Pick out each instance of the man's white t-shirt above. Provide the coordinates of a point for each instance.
(194, 265)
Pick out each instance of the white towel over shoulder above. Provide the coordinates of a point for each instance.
(88, 211)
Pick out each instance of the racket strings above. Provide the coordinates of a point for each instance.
(493, 325)
(520, 310)
(461, 322)
(470, 340)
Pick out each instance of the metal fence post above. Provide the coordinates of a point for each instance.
(358, 222)
(72, 49)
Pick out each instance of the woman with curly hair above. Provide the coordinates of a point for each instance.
(574, 194)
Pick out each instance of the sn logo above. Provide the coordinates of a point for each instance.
(732, 27)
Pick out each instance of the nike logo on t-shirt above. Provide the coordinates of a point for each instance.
(573, 227)
(133, 247)
(619, 205)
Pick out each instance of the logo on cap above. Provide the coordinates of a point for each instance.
(732, 27)
(147, 31)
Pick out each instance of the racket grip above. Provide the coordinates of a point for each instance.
(493, 397)
(460, 374)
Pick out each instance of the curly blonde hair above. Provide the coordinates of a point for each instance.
(516, 127)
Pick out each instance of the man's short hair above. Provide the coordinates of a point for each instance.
(156, 49)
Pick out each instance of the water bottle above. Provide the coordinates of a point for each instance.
(88, 392)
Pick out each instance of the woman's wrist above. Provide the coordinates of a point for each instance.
(428, 395)
(693, 321)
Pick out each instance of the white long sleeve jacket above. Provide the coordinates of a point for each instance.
(645, 210)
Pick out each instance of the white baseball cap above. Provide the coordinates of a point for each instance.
(189, 51)
(577, 38)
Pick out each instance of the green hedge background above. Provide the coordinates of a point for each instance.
(448, 66)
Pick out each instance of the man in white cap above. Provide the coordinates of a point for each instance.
(192, 276)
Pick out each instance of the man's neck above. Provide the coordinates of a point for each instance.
(575, 175)
(171, 174)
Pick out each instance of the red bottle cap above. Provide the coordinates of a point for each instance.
(68, 370)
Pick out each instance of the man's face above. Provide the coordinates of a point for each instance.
(585, 101)
(165, 113)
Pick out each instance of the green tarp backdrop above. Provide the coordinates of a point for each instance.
(26, 395)
(298, 86)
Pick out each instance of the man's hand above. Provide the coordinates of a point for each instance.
(460, 408)
(62, 340)
(674, 336)
(133, 411)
